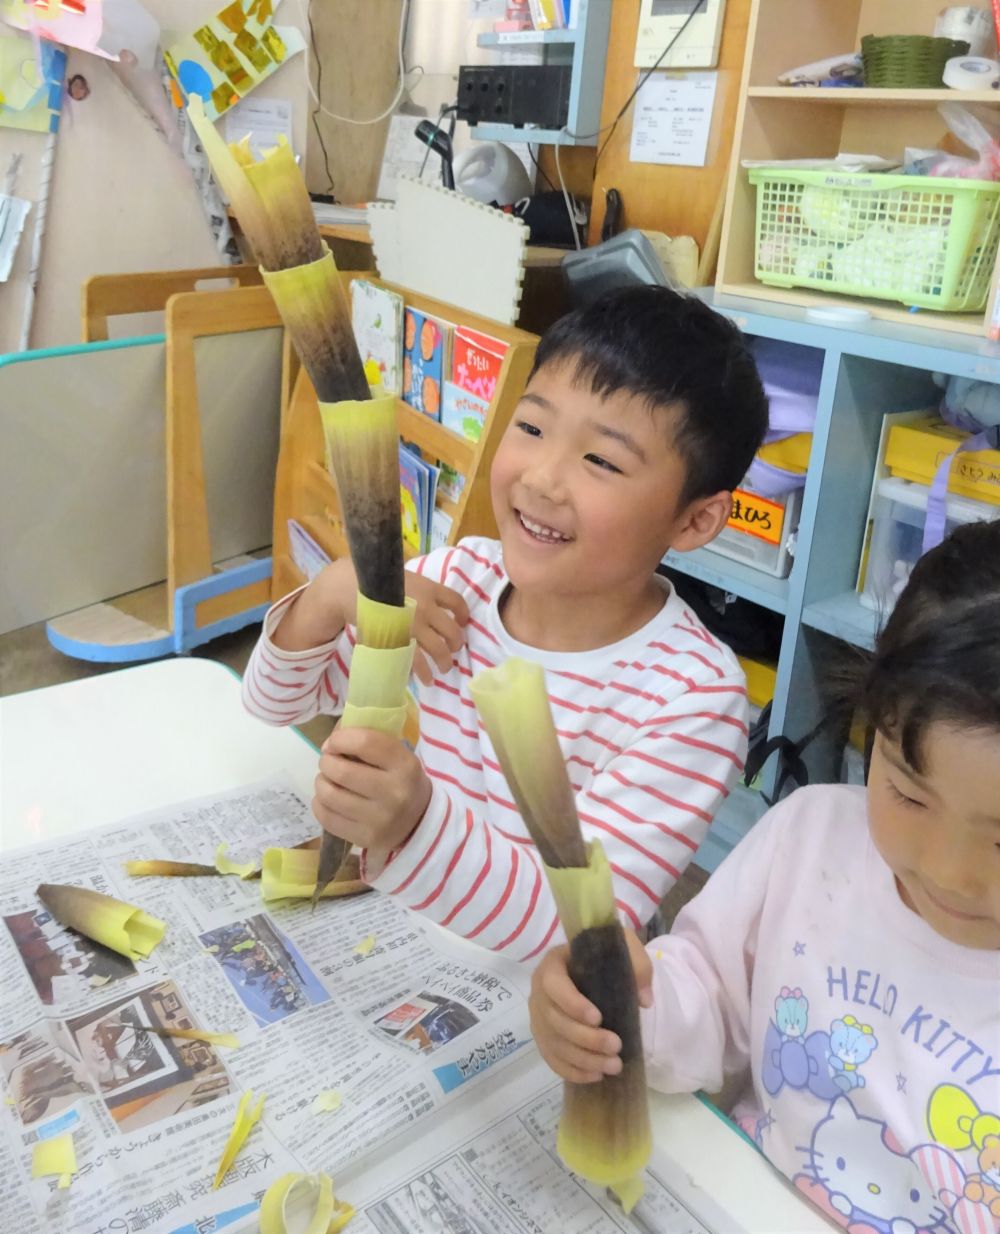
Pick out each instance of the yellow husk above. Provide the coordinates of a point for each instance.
(514, 706)
(584, 896)
(290, 874)
(385, 625)
(55, 1156)
(113, 923)
(328, 1215)
(233, 182)
(167, 869)
(229, 1040)
(244, 1122)
(327, 1101)
(282, 192)
(366, 946)
(224, 866)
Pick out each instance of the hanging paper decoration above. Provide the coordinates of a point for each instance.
(30, 84)
(73, 23)
(237, 49)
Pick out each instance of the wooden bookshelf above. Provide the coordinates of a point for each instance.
(305, 491)
(786, 122)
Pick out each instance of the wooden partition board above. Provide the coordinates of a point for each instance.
(305, 491)
(83, 461)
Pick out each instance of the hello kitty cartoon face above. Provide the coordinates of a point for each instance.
(865, 1176)
(791, 1012)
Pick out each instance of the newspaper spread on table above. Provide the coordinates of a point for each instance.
(403, 1021)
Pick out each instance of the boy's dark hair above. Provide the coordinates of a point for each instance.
(675, 352)
(938, 658)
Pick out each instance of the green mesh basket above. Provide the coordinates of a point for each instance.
(907, 61)
(925, 241)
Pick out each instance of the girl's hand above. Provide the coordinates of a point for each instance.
(438, 625)
(566, 1025)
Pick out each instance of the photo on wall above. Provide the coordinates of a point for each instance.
(142, 1076)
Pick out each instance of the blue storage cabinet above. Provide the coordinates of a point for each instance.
(868, 371)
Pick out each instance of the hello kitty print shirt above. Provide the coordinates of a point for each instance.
(872, 1044)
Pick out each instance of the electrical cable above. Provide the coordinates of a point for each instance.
(540, 169)
(698, 4)
(403, 71)
(314, 113)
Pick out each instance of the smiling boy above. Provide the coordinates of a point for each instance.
(642, 413)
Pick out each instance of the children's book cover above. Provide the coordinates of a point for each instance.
(377, 317)
(475, 369)
(412, 498)
(426, 360)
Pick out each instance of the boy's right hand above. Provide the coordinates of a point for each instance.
(330, 602)
(566, 1025)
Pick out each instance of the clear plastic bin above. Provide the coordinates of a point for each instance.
(897, 535)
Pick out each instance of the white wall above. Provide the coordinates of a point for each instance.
(121, 201)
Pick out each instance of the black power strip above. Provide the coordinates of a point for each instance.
(517, 94)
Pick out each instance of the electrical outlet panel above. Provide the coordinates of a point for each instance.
(517, 94)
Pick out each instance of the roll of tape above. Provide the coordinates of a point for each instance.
(971, 73)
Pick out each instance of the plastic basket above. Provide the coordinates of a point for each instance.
(907, 61)
(925, 241)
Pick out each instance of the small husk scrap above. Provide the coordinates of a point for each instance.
(296, 1198)
(122, 927)
(244, 1122)
(55, 1156)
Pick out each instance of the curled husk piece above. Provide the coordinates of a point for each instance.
(167, 869)
(326, 1102)
(113, 923)
(314, 307)
(246, 1119)
(269, 197)
(290, 1197)
(55, 1156)
(604, 1131)
(229, 1040)
(291, 873)
(224, 865)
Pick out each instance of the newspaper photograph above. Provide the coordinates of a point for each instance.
(360, 997)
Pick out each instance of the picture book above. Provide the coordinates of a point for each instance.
(377, 316)
(418, 481)
(440, 529)
(426, 360)
(468, 392)
(306, 553)
(450, 482)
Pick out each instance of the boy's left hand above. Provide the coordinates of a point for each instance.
(371, 789)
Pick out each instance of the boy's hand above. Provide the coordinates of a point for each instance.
(371, 790)
(566, 1025)
(438, 625)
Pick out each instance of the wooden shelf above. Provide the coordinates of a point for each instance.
(432, 436)
(846, 96)
(305, 491)
(881, 310)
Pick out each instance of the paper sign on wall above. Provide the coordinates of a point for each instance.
(78, 26)
(231, 53)
(673, 119)
(30, 99)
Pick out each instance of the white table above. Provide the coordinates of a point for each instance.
(92, 752)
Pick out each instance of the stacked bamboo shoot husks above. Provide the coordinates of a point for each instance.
(604, 1133)
(270, 200)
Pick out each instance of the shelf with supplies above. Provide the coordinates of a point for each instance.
(867, 372)
(584, 47)
(794, 252)
(304, 490)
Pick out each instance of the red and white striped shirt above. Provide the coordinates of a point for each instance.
(653, 729)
